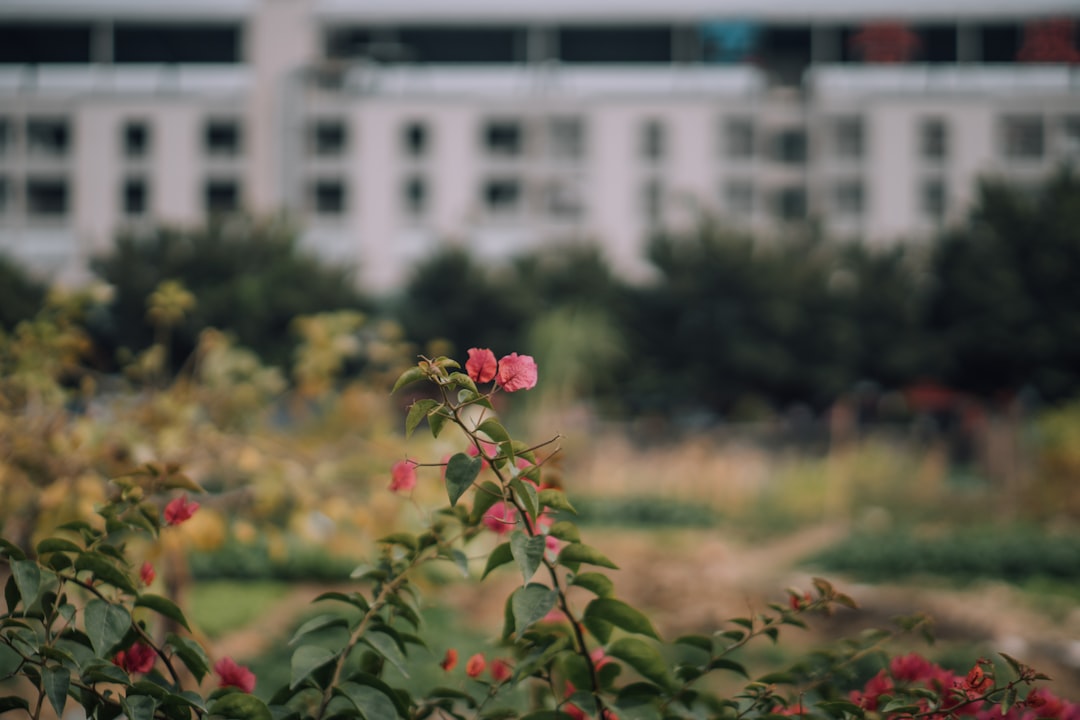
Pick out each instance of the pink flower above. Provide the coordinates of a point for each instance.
(403, 476)
(552, 545)
(139, 658)
(475, 665)
(501, 518)
(911, 668)
(481, 365)
(147, 574)
(233, 675)
(599, 658)
(449, 662)
(501, 671)
(179, 509)
(516, 372)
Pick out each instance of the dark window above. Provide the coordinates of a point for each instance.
(222, 138)
(504, 137)
(502, 195)
(653, 140)
(932, 199)
(1000, 43)
(7, 136)
(328, 197)
(789, 146)
(415, 139)
(32, 43)
(848, 138)
(1024, 137)
(222, 196)
(739, 197)
(48, 136)
(644, 44)
(652, 201)
(937, 43)
(5, 196)
(136, 139)
(462, 45)
(790, 203)
(739, 138)
(563, 199)
(328, 138)
(566, 138)
(785, 53)
(47, 198)
(136, 197)
(414, 195)
(933, 139)
(209, 43)
(848, 198)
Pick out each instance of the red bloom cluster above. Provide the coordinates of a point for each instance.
(961, 695)
(512, 373)
(179, 509)
(402, 476)
(139, 658)
(147, 574)
(500, 670)
(233, 675)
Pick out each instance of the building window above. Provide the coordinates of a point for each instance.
(47, 198)
(221, 196)
(222, 138)
(848, 138)
(327, 138)
(739, 138)
(566, 136)
(502, 196)
(504, 138)
(933, 139)
(5, 196)
(1070, 134)
(327, 197)
(739, 198)
(7, 136)
(135, 201)
(1023, 137)
(848, 198)
(932, 199)
(563, 199)
(414, 196)
(652, 201)
(789, 146)
(653, 140)
(415, 139)
(48, 137)
(135, 138)
(789, 203)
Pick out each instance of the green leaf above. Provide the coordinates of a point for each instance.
(27, 576)
(306, 660)
(565, 530)
(463, 381)
(527, 552)
(105, 571)
(580, 553)
(372, 703)
(163, 606)
(547, 715)
(106, 624)
(418, 412)
(139, 707)
(461, 472)
(1008, 699)
(487, 494)
(436, 420)
(644, 658)
(461, 560)
(386, 646)
(13, 703)
(318, 623)
(596, 583)
(498, 557)
(637, 694)
(408, 377)
(12, 550)
(731, 665)
(56, 681)
(526, 493)
(51, 545)
(406, 540)
(531, 603)
(621, 616)
(362, 678)
(240, 706)
(556, 500)
(494, 430)
(191, 653)
(701, 642)
(9, 661)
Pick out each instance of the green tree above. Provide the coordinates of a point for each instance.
(248, 278)
(21, 296)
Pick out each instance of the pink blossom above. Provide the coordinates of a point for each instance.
(481, 365)
(911, 668)
(449, 661)
(403, 476)
(233, 675)
(179, 509)
(501, 518)
(147, 574)
(516, 372)
(501, 671)
(139, 658)
(475, 665)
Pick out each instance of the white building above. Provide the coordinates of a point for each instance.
(388, 127)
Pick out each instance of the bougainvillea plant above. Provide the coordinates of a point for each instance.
(80, 627)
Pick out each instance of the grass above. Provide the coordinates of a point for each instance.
(220, 606)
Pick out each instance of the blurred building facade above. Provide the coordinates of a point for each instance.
(389, 127)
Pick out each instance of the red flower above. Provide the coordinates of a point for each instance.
(880, 684)
(179, 509)
(449, 662)
(147, 574)
(516, 372)
(1045, 703)
(575, 712)
(798, 603)
(139, 658)
(403, 476)
(501, 518)
(233, 675)
(911, 668)
(475, 665)
(481, 365)
(501, 671)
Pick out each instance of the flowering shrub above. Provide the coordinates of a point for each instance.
(81, 627)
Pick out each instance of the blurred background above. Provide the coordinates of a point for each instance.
(801, 279)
